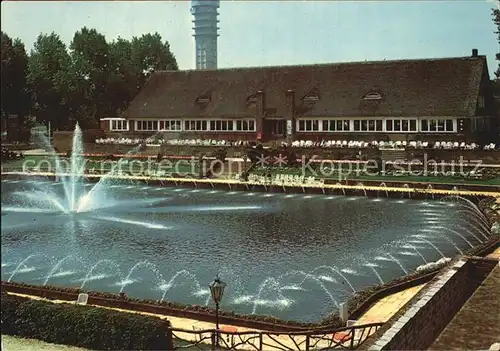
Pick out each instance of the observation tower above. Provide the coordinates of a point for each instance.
(205, 35)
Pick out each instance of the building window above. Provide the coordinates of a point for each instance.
(401, 125)
(171, 125)
(195, 125)
(119, 125)
(245, 125)
(221, 125)
(308, 125)
(437, 125)
(146, 126)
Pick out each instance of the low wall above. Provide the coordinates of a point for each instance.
(424, 318)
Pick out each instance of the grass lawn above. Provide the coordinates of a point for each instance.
(14, 343)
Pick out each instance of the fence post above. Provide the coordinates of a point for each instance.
(212, 337)
(307, 342)
(260, 341)
(353, 336)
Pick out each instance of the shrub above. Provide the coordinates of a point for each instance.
(83, 326)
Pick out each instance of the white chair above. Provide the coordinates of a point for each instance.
(82, 299)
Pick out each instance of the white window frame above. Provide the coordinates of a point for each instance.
(309, 125)
(436, 122)
(246, 125)
(124, 125)
(148, 128)
(170, 125)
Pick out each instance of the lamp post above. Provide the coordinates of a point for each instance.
(217, 291)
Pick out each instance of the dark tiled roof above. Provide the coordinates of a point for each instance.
(431, 87)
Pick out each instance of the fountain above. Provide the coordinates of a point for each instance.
(133, 236)
(23, 263)
(424, 240)
(408, 189)
(341, 187)
(414, 248)
(334, 270)
(430, 188)
(91, 270)
(362, 188)
(372, 266)
(152, 267)
(383, 185)
(168, 285)
(58, 265)
(433, 229)
(392, 259)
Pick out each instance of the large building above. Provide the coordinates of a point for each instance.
(436, 99)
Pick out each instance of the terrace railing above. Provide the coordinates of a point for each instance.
(348, 338)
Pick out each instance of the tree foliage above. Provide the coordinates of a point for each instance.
(90, 79)
(13, 77)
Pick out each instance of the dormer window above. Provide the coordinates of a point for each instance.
(312, 96)
(372, 96)
(203, 100)
(252, 99)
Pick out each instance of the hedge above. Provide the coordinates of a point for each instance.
(83, 326)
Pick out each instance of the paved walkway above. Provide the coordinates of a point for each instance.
(495, 254)
(388, 306)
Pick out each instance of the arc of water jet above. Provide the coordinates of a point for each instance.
(471, 207)
(147, 264)
(477, 224)
(266, 282)
(91, 270)
(418, 253)
(434, 246)
(453, 232)
(452, 243)
(334, 270)
(398, 262)
(312, 277)
(57, 266)
(375, 271)
(23, 262)
(171, 281)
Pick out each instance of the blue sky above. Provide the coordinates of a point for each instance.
(278, 32)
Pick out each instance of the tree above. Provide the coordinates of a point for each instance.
(91, 71)
(15, 99)
(49, 73)
(149, 54)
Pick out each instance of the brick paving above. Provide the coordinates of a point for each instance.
(388, 306)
